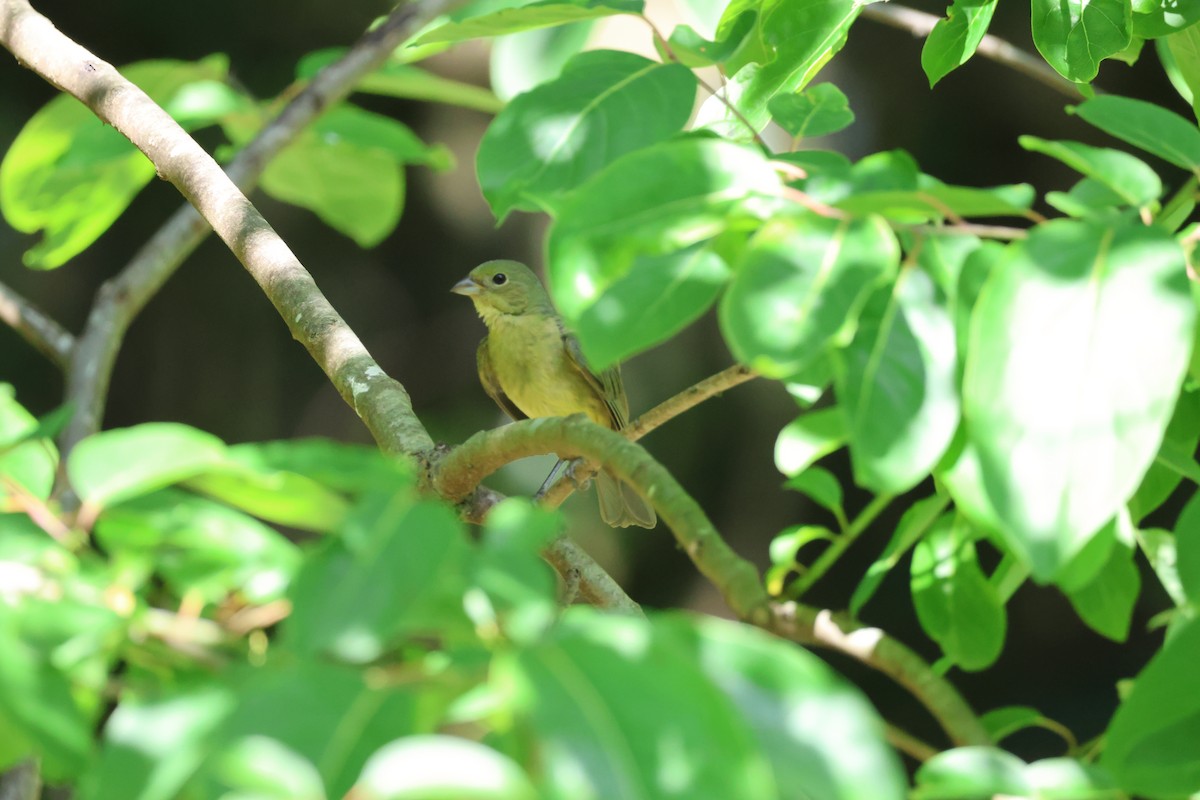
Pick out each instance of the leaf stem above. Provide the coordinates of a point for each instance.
(839, 545)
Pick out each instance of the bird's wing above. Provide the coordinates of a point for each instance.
(491, 385)
(607, 384)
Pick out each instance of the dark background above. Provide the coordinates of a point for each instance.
(210, 351)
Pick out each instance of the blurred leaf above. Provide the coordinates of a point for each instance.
(1087, 198)
(971, 772)
(426, 767)
(912, 526)
(693, 50)
(785, 551)
(347, 168)
(809, 437)
(817, 111)
(1187, 548)
(330, 715)
(1071, 778)
(1160, 549)
(1004, 722)
(801, 286)
(349, 468)
(954, 38)
(262, 768)
(1128, 177)
(401, 572)
(1075, 36)
(120, 464)
(395, 79)
(26, 458)
(201, 546)
(549, 140)
(488, 19)
(1150, 127)
(1180, 57)
(1076, 306)
(521, 61)
(1155, 18)
(657, 298)
(654, 201)
(520, 587)
(896, 384)
(1174, 459)
(955, 603)
(1150, 744)
(1106, 602)
(822, 487)
(152, 745)
(70, 175)
(936, 201)
(286, 498)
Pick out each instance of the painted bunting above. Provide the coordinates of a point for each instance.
(533, 367)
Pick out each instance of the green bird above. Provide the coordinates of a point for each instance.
(533, 367)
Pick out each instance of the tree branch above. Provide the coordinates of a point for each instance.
(919, 24)
(35, 327)
(462, 469)
(123, 297)
(381, 402)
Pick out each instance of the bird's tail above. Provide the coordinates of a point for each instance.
(620, 505)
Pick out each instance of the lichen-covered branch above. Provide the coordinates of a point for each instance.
(35, 327)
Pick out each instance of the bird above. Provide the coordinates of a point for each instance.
(532, 366)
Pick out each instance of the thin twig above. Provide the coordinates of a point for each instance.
(919, 24)
(35, 327)
(665, 411)
(123, 297)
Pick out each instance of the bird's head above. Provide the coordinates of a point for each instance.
(503, 287)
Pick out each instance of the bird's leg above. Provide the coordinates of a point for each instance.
(559, 468)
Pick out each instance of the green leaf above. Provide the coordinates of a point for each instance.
(1106, 602)
(201, 546)
(971, 772)
(1155, 18)
(398, 570)
(1180, 56)
(1075, 36)
(425, 767)
(817, 111)
(809, 437)
(1174, 460)
(521, 61)
(937, 201)
(347, 168)
(116, 465)
(785, 553)
(955, 602)
(286, 498)
(654, 201)
(489, 19)
(912, 526)
(1160, 549)
(37, 699)
(896, 382)
(1187, 548)
(520, 587)
(953, 39)
(605, 692)
(1070, 778)
(800, 287)
(396, 79)
(1073, 308)
(266, 769)
(1128, 177)
(792, 40)
(1150, 744)
(822, 487)
(554, 137)
(1147, 126)
(152, 745)
(1004, 722)
(70, 175)
(26, 458)
(693, 50)
(348, 468)
(658, 297)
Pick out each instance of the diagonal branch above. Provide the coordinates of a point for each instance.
(123, 297)
(380, 401)
(35, 327)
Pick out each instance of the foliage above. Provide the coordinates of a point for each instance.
(1028, 389)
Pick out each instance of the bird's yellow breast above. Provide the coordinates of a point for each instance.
(534, 370)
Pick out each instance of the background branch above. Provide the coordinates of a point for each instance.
(123, 297)
(35, 327)
(919, 24)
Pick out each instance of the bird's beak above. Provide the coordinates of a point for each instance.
(466, 286)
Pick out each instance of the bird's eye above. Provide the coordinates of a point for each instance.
(499, 279)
